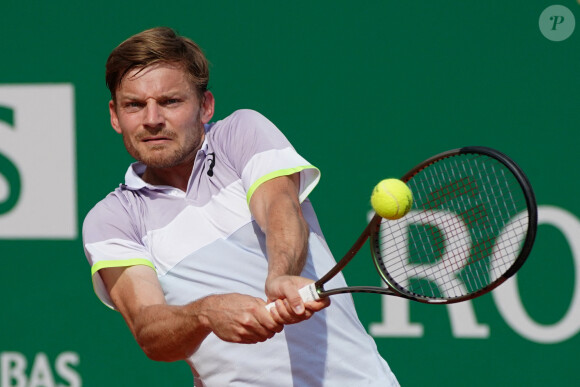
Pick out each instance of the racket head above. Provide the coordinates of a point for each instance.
(471, 227)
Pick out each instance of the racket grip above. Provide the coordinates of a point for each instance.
(307, 293)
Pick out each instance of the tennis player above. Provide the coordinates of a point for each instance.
(214, 221)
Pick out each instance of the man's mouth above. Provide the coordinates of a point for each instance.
(155, 139)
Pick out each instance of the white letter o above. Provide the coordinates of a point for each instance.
(507, 298)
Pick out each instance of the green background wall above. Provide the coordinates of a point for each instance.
(364, 90)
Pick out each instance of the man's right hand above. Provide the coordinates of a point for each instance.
(238, 318)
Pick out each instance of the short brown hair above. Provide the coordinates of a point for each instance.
(157, 45)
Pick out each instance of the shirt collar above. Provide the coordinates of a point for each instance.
(133, 180)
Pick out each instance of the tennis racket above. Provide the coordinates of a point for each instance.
(471, 227)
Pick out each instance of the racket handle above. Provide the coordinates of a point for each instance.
(307, 293)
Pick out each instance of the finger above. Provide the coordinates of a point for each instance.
(259, 325)
(287, 313)
(318, 305)
(257, 335)
(296, 303)
(270, 319)
(275, 312)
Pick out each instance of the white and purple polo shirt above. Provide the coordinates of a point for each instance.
(204, 241)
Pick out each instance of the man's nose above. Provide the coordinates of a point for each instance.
(153, 114)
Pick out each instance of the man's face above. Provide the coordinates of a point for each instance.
(160, 116)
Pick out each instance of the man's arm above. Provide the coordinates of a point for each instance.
(276, 208)
(170, 333)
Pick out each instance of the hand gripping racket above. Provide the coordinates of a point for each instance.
(471, 227)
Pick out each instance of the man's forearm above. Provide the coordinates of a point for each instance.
(286, 239)
(170, 333)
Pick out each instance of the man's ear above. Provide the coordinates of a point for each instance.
(207, 107)
(114, 117)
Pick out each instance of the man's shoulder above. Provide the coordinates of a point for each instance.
(246, 114)
(113, 202)
(239, 118)
(241, 125)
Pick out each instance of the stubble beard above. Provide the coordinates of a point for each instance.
(159, 156)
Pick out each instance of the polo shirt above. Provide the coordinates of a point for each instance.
(204, 241)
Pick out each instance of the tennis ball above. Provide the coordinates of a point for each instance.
(391, 199)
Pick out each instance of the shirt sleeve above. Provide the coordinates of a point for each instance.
(111, 239)
(260, 152)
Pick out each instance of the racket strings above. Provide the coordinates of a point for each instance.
(463, 233)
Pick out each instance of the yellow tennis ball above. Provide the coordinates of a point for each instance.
(391, 199)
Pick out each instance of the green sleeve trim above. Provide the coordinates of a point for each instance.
(122, 263)
(272, 175)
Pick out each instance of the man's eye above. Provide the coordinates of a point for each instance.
(132, 105)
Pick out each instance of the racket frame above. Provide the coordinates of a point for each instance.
(372, 231)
